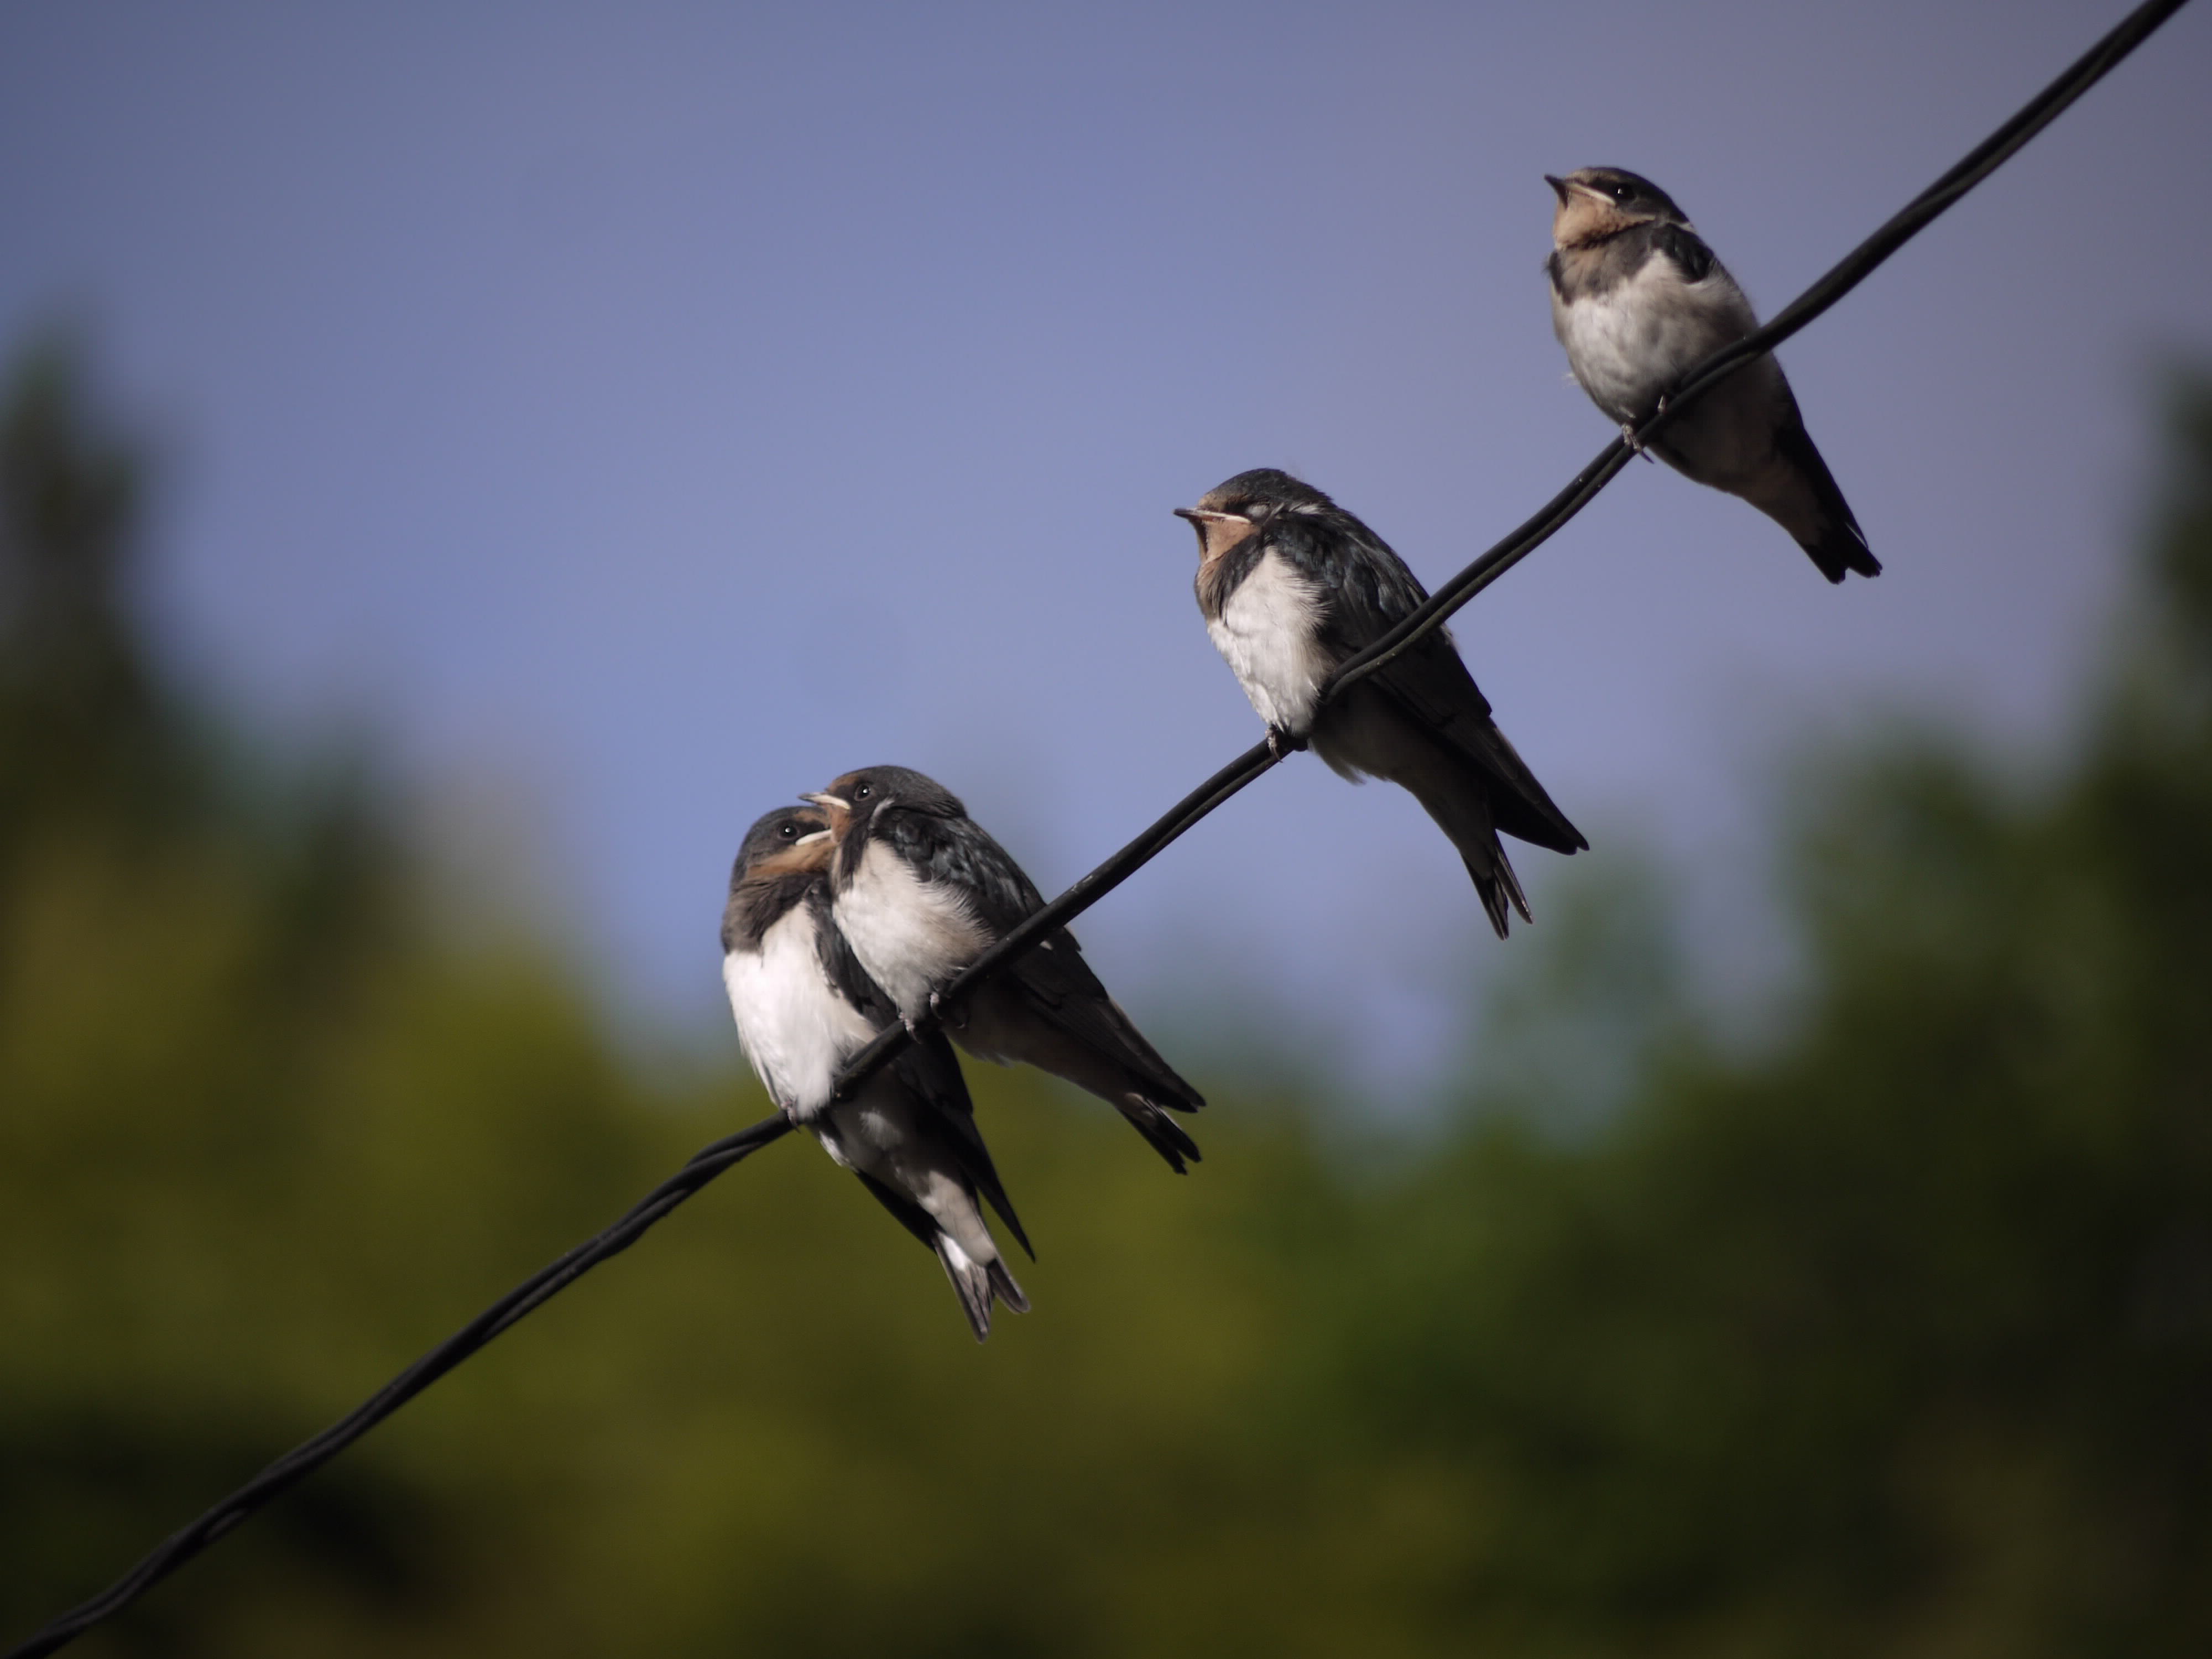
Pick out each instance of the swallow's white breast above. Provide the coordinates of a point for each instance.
(1268, 633)
(1628, 344)
(796, 1029)
(911, 935)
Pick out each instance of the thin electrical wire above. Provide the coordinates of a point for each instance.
(711, 1161)
(1847, 274)
(311, 1455)
(1854, 268)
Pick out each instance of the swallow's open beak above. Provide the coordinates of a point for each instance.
(819, 834)
(1212, 542)
(839, 809)
(1560, 188)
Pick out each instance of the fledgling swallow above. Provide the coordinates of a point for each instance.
(804, 1007)
(1638, 300)
(920, 890)
(1291, 585)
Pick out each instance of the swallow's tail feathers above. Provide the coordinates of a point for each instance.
(976, 1282)
(1497, 886)
(1464, 797)
(1428, 702)
(1479, 849)
(1076, 1032)
(1161, 1132)
(929, 1069)
(1808, 503)
(1002, 1282)
(1061, 992)
(1841, 548)
(1523, 808)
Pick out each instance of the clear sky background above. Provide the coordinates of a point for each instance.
(637, 415)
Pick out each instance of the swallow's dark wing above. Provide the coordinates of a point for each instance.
(960, 853)
(1000, 888)
(1057, 988)
(1367, 590)
(1059, 985)
(1055, 979)
(1684, 248)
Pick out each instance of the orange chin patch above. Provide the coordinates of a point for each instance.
(1587, 216)
(789, 860)
(1223, 536)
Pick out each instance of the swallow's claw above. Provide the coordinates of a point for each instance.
(938, 1012)
(1281, 742)
(1628, 433)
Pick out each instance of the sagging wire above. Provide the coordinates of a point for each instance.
(712, 1161)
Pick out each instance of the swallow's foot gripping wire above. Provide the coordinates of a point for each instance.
(1635, 444)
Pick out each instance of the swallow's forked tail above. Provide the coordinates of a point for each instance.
(1840, 549)
(1456, 793)
(1811, 508)
(1161, 1132)
(1497, 886)
(977, 1282)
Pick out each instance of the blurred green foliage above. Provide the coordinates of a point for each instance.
(1893, 1336)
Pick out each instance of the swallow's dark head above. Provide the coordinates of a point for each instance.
(851, 801)
(1595, 202)
(789, 840)
(781, 855)
(1229, 513)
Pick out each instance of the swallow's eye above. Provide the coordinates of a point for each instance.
(1624, 193)
(789, 831)
(861, 792)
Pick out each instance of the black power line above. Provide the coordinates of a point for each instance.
(309, 1455)
(1848, 273)
(711, 1161)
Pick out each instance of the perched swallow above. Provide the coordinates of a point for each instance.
(1291, 585)
(804, 1007)
(1638, 300)
(920, 890)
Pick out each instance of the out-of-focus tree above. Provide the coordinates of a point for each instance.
(1891, 1334)
(1898, 1338)
(80, 723)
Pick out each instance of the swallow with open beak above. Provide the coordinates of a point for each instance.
(804, 1007)
(1638, 300)
(1291, 585)
(920, 890)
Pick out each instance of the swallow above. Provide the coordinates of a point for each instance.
(803, 1007)
(918, 890)
(1291, 585)
(1638, 300)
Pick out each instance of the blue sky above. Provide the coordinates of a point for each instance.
(638, 415)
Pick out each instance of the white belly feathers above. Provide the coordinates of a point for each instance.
(1627, 346)
(1266, 632)
(796, 1029)
(911, 935)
